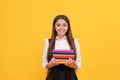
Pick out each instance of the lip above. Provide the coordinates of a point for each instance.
(61, 31)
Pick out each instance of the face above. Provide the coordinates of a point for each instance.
(61, 27)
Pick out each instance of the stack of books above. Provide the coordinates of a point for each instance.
(62, 55)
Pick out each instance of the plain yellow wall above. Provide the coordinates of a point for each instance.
(25, 23)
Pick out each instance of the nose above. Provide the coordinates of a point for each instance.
(61, 27)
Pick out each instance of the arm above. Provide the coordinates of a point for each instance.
(75, 64)
(78, 54)
(44, 59)
(45, 63)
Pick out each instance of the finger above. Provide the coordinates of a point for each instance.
(73, 62)
(50, 61)
(53, 58)
(70, 58)
(66, 63)
(53, 62)
(56, 62)
(69, 61)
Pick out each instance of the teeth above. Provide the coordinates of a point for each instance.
(61, 31)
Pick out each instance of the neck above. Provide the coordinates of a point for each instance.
(59, 36)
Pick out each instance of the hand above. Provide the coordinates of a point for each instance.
(53, 62)
(71, 63)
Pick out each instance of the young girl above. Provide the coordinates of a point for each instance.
(61, 39)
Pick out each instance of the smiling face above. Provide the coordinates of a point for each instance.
(61, 27)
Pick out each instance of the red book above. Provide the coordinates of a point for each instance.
(62, 55)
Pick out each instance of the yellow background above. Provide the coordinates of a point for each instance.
(25, 23)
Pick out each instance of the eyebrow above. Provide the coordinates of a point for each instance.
(60, 23)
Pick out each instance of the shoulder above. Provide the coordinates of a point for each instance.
(46, 40)
(76, 39)
(76, 42)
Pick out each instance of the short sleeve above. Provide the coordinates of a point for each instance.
(78, 54)
(44, 59)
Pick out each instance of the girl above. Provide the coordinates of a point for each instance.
(61, 39)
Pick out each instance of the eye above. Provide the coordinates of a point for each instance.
(64, 25)
(57, 24)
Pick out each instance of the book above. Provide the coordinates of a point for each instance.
(62, 55)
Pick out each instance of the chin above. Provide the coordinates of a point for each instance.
(62, 34)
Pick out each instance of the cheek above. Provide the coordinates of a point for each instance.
(66, 28)
(56, 28)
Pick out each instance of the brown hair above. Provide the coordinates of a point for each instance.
(54, 34)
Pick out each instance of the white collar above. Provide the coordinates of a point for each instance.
(64, 37)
